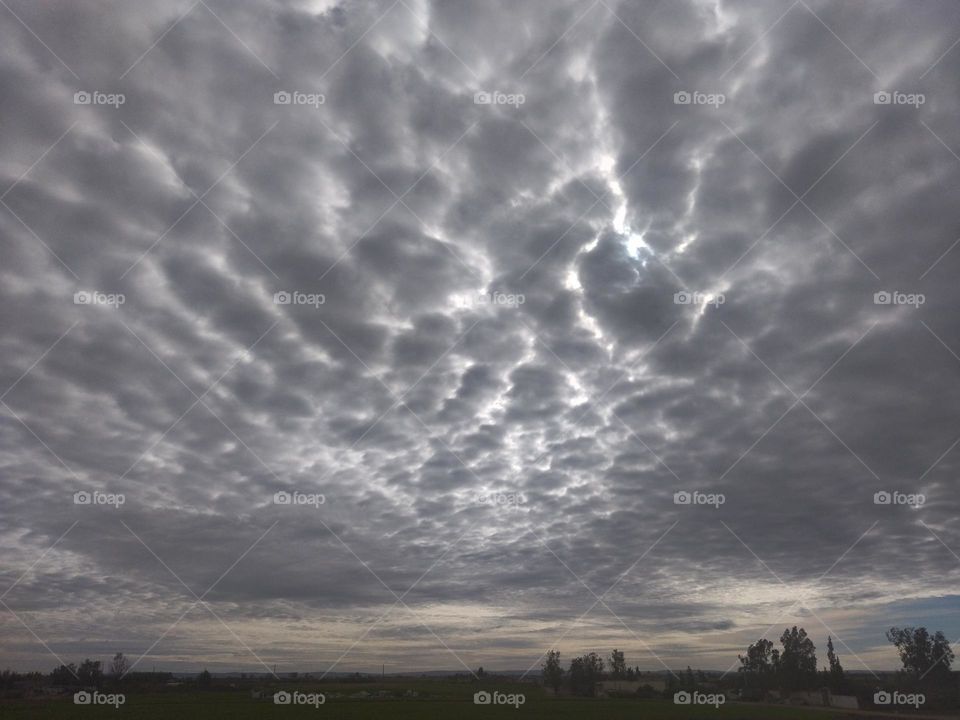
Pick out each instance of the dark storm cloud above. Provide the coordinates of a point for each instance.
(494, 383)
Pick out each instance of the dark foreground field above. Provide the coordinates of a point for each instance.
(438, 701)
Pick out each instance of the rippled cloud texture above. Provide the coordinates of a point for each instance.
(497, 280)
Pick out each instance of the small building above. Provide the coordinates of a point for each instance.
(609, 688)
(822, 698)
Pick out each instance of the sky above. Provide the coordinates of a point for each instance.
(434, 335)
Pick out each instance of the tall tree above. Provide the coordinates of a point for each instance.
(835, 678)
(759, 664)
(618, 665)
(585, 673)
(552, 671)
(924, 656)
(798, 661)
(119, 665)
(90, 673)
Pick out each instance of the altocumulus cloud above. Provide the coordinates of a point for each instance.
(485, 287)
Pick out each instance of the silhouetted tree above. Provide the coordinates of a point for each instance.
(585, 671)
(552, 671)
(618, 666)
(758, 660)
(64, 675)
(90, 673)
(798, 661)
(204, 680)
(835, 678)
(924, 656)
(119, 665)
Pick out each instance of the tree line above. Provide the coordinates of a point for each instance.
(926, 659)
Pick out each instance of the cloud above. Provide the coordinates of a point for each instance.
(514, 331)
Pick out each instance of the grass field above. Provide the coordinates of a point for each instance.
(444, 701)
